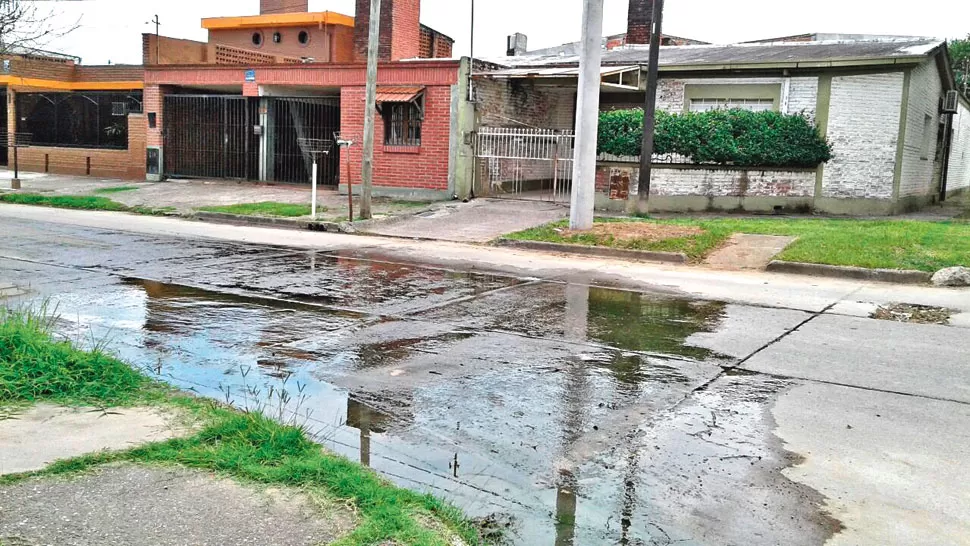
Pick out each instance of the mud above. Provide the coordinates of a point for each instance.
(575, 414)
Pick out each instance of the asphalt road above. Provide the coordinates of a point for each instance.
(582, 401)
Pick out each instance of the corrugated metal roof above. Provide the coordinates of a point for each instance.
(556, 72)
(807, 53)
(398, 94)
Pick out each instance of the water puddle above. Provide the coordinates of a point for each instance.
(507, 404)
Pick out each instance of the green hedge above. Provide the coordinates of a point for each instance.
(723, 137)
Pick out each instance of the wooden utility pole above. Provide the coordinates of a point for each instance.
(370, 111)
(587, 117)
(650, 109)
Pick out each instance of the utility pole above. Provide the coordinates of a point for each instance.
(471, 61)
(370, 111)
(650, 109)
(587, 117)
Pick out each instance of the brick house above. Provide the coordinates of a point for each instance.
(879, 100)
(244, 104)
(76, 119)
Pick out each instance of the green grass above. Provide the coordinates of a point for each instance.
(81, 202)
(115, 189)
(924, 246)
(266, 208)
(247, 446)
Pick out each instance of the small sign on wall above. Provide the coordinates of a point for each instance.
(620, 184)
(250, 76)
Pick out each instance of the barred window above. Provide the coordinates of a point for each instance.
(402, 124)
(84, 120)
(752, 105)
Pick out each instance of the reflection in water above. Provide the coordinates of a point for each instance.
(367, 421)
(566, 502)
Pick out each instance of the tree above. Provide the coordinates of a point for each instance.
(25, 27)
(960, 53)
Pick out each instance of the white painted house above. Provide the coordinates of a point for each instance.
(878, 100)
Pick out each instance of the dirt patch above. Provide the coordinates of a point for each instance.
(641, 231)
(920, 314)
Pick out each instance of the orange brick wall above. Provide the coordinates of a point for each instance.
(172, 50)
(435, 45)
(421, 168)
(43, 69)
(318, 48)
(153, 97)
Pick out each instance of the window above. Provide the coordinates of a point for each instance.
(928, 134)
(303, 37)
(84, 120)
(402, 124)
(752, 105)
(258, 39)
(277, 37)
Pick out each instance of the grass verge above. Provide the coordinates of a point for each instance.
(266, 208)
(923, 246)
(79, 202)
(35, 367)
(115, 189)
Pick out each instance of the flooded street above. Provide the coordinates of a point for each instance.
(562, 413)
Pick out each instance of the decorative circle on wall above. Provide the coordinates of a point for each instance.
(303, 37)
(258, 39)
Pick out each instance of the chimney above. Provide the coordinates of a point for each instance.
(639, 22)
(273, 7)
(517, 45)
(400, 30)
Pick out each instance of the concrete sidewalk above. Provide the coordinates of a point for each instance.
(185, 196)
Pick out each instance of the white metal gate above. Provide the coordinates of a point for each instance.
(524, 163)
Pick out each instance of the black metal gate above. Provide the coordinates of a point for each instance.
(211, 136)
(292, 119)
(215, 136)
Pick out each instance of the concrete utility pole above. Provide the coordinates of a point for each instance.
(587, 117)
(370, 110)
(650, 109)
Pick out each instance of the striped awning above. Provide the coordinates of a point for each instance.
(398, 94)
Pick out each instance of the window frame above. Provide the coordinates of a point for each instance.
(78, 119)
(733, 91)
(409, 123)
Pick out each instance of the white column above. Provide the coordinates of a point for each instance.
(587, 117)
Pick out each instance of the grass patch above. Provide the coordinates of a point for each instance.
(266, 208)
(80, 202)
(35, 367)
(924, 246)
(115, 189)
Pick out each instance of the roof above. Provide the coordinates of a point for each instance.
(573, 48)
(278, 20)
(739, 56)
(398, 94)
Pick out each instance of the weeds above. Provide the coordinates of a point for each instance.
(243, 444)
(266, 208)
(115, 189)
(79, 202)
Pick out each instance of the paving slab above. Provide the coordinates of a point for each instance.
(748, 252)
(130, 505)
(34, 438)
(916, 359)
(892, 468)
(479, 221)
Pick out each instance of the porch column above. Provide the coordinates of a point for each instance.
(267, 142)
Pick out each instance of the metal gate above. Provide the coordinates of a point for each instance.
(211, 136)
(524, 163)
(221, 136)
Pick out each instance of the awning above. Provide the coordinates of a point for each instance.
(398, 94)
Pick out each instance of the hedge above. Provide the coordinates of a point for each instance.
(722, 137)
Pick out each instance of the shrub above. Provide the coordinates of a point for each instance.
(722, 137)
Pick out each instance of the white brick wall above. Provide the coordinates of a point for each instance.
(959, 177)
(803, 97)
(803, 92)
(863, 130)
(925, 90)
(732, 183)
(670, 96)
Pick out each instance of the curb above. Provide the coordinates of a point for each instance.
(897, 276)
(637, 255)
(268, 221)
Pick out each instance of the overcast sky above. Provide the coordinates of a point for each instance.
(111, 29)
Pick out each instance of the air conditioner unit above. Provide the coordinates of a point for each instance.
(951, 103)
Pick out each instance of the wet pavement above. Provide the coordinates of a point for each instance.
(571, 414)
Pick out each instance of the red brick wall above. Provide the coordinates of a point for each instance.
(639, 22)
(273, 7)
(154, 97)
(435, 45)
(400, 36)
(124, 164)
(422, 168)
(172, 50)
(110, 73)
